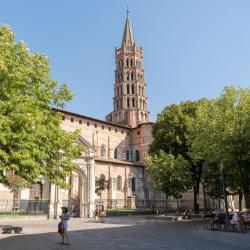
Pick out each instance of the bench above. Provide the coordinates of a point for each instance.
(7, 229)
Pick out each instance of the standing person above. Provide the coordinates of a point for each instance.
(102, 214)
(97, 214)
(64, 225)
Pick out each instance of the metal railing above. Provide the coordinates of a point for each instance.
(36, 207)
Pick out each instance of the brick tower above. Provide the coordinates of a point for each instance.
(129, 101)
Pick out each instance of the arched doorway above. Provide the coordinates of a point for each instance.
(77, 194)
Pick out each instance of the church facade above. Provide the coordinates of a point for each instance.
(116, 146)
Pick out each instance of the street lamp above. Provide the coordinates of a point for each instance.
(224, 188)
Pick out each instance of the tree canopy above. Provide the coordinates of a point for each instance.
(32, 144)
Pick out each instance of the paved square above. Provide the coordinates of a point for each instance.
(132, 232)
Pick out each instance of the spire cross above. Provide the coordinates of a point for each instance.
(127, 11)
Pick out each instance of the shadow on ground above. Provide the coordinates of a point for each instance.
(148, 235)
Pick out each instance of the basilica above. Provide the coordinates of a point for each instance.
(116, 148)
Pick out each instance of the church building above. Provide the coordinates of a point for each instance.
(116, 146)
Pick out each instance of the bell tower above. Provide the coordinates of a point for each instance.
(130, 100)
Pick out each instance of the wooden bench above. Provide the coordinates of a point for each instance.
(7, 229)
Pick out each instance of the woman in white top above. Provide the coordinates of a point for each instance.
(64, 225)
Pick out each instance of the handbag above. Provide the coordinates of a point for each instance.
(60, 228)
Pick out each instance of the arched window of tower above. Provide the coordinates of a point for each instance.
(142, 92)
(133, 102)
(140, 103)
(132, 76)
(128, 102)
(133, 88)
(131, 62)
(128, 89)
(127, 76)
(144, 104)
(118, 78)
(127, 62)
(116, 105)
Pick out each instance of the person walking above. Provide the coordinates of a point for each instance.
(63, 226)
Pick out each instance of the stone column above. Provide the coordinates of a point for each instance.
(91, 187)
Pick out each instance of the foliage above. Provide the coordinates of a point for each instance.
(167, 173)
(100, 185)
(224, 136)
(32, 144)
(15, 183)
(173, 133)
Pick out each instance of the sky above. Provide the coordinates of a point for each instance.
(192, 49)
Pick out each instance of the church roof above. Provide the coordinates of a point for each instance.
(128, 36)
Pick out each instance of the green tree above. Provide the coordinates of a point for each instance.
(173, 133)
(32, 144)
(100, 185)
(16, 183)
(167, 173)
(224, 136)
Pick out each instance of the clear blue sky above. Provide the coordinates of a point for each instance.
(192, 48)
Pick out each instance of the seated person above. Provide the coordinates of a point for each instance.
(186, 215)
(246, 217)
(220, 216)
(237, 221)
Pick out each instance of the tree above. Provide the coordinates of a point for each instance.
(16, 183)
(100, 185)
(167, 173)
(224, 136)
(32, 144)
(173, 133)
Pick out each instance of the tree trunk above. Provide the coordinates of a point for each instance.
(178, 206)
(166, 207)
(240, 200)
(204, 197)
(196, 196)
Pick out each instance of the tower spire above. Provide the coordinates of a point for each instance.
(128, 36)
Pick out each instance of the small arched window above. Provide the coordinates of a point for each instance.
(127, 155)
(116, 154)
(128, 102)
(133, 184)
(132, 76)
(144, 104)
(127, 62)
(119, 183)
(137, 155)
(133, 102)
(127, 76)
(131, 62)
(133, 89)
(116, 107)
(128, 89)
(103, 151)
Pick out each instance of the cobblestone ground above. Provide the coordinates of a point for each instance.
(133, 232)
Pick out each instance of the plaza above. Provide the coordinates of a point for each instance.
(125, 232)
